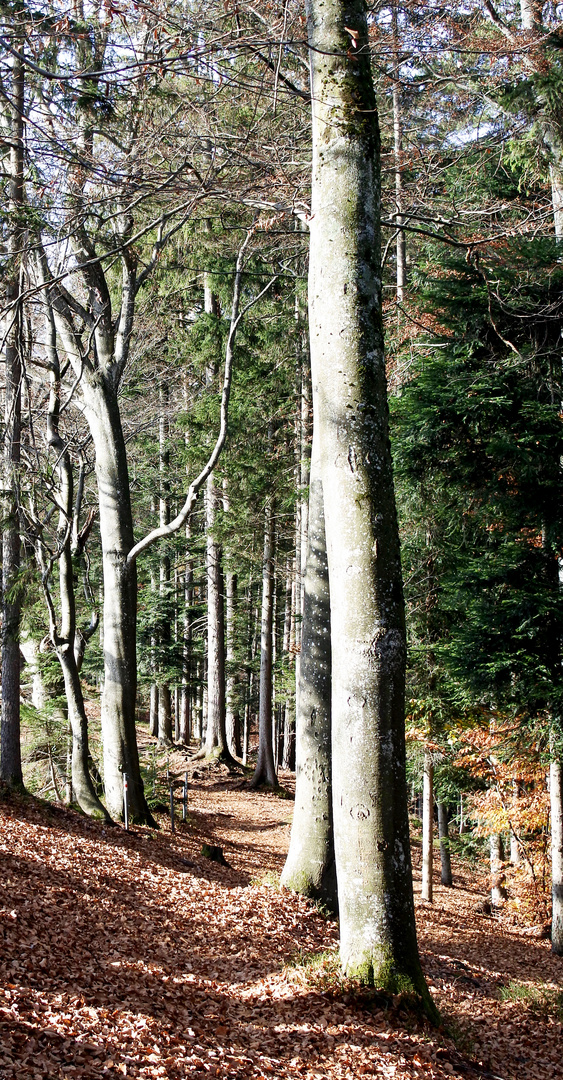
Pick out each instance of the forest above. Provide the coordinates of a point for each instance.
(281, 753)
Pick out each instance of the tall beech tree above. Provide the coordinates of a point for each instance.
(372, 851)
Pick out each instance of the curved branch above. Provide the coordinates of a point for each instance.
(196, 485)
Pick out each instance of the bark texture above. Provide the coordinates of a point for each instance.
(556, 799)
(427, 826)
(216, 737)
(120, 601)
(10, 750)
(265, 771)
(443, 833)
(378, 937)
(310, 867)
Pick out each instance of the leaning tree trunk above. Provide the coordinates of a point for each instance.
(310, 867)
(10, 760)
(378, 936)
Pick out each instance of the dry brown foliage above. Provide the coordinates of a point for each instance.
(129, 954)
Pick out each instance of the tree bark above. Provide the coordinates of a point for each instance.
(120, 601)
(401, 250)
(556, 802)
(427, 826)
(65, 641)
(10, 748)
(233, 705)
(378, 936)
(443, 834)
(265, 772)
(310, 867)
(216, 736)
(498, 892)
(164, 698)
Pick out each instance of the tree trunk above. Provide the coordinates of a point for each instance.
(443, 834)
(498, 892)
(120, 602)
(216, 738)
(153, 710)
(310, 867)
(265, 772)
(164, 698)
(427, 826)
(64, 643)
(378, 936)
(556, 801)
(398, 163)
(233, 706)
(10, 748)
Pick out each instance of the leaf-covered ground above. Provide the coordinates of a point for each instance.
(130, 954)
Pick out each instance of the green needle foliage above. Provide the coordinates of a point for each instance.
(478, 448)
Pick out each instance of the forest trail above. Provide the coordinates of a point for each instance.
(130, 954)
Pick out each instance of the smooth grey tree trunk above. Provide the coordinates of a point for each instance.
(444, 837)
(265, 772)
(120, 602)
(310, 867)
(10, 747)
(427, 826)
(556, 804)
(498, 891)
(378, 936)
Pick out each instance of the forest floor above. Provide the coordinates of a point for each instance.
(131, 954)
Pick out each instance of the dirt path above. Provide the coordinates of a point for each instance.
(132, 955)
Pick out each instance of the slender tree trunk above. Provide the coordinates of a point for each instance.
(265, 772)
(232, 722)
(427, 826)
(153, 693)
(186, 691)
(310, 867)
(443, 834)
(233, 706)
(398, 154)
(164, 697)
(10, 748)
(514, 844)
(215, 740)
(288, 717)
(65, 642)
(556, 802)
(463, 824)
(378, 936)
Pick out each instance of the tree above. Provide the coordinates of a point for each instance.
(310, 867)
(378, 937)
(12, 116)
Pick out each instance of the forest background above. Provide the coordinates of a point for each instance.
(157, 168)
